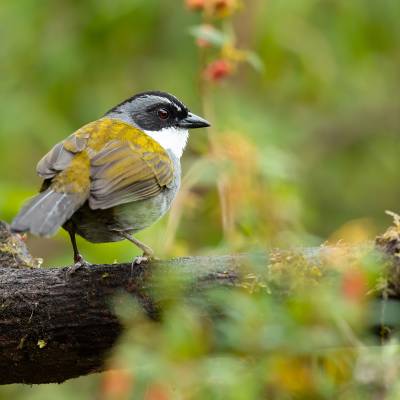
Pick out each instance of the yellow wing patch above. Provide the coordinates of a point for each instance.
(76, 177)
(113, 161)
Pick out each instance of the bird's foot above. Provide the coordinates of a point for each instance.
(143, 259)
(140, 260)
(80, 263)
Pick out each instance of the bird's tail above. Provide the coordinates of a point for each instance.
(45, 213)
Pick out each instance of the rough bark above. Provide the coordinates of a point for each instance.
(55, 325)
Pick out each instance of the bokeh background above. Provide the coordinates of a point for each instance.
(316, 131)
(304, 144)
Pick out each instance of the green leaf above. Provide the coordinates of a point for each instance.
(255, 61)
(209, 34)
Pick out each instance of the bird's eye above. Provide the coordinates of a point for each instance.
(163, 113)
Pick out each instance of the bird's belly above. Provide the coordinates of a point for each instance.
(139, 215)
(103, 225)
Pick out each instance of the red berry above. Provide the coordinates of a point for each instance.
(218, 70)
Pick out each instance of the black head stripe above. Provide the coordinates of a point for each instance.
(149, 94)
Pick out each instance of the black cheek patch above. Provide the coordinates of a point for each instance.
(150, 121)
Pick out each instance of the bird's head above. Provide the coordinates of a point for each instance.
(162, 116)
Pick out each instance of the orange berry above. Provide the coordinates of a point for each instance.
(195, 5)
(224, 8)
(354, 285)
(221, 4)
(157, 392)
(116, 384)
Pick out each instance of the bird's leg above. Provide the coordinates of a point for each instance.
(79, 261)
(148, 253)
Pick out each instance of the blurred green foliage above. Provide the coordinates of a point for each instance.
(305, 150)
(321, 120)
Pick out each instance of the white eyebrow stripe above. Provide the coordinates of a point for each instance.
(175, 104)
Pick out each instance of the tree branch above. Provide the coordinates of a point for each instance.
(55, 326)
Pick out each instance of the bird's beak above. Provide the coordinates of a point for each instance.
(193, 121)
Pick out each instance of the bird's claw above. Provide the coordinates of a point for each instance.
(80, 263)
(143, 259)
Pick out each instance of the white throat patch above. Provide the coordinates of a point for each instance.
(173, 139)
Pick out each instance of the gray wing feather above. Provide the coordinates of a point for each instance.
(44, 214)
(56, 160)
(59, 157)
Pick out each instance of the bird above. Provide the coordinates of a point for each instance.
(114, 176)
